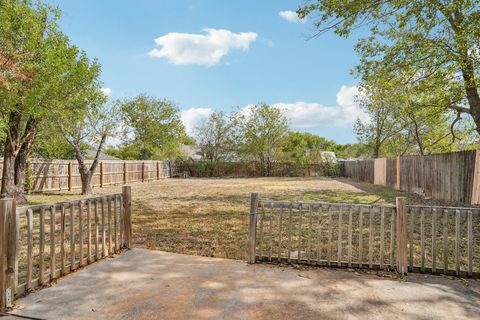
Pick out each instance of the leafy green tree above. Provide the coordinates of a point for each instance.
(214, 138)
(258, 134)
(436, 41)
(382, 123)
(42, 74)
(50, 144)
(151, 128)
(304, 148)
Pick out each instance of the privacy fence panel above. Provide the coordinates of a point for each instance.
(451, 176)
(438, 240)
(50, 241)
(65, 175)
(360, 170)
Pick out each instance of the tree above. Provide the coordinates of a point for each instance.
(51, 144)
(436, 39)
(382, 123)
(41, 74)
(304, 148)
(258, 134)
(151, 128)
(94, 123)
(213, 137)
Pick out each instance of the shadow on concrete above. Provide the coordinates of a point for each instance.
(144, 284)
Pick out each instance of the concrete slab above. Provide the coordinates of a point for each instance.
(143, 284)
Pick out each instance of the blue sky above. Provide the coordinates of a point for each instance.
(249, 53)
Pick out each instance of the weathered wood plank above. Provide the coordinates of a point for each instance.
(382, 236)
(422, 238)
(53, 267)
(280, 235)
(96, 231)
(72, 236)
(434, 240)
(270, 234)
(299, 232)
(319, 235)
(109, 223)
(252, 227)
(340, 227)
(360, 237)
(329, 241)
(410, 238)
(350, 233)
(29, 248)
(457, 241)
(445, 240)
(402, 263)
(89, 231)
(470, 242)
(115, 224)
(104, 232)
(41, 255)
(309, 233)
(392, 237)
(260, 237)
(370, 237)
(80, 231)
(63, 252)
(9, 245)
(290, 222)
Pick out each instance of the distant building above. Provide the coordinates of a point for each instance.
(90, 154)
(191, 152)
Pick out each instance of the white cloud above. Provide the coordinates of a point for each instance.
(201, 49)
(291, 16)
(304, 115)
(193, 117)
(106, 91)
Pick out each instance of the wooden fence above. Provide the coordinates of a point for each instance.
(451, 176)
(255, 169)
(64, 175)
(436, 240)
(39, 244)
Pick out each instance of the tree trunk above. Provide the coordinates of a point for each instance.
(86, 177)
(87, 174)
(11, 149)
(471, 90)
(21, 160)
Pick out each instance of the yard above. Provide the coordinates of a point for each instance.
(208, 217)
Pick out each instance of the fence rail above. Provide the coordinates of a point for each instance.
(437, 240)
(44, 242)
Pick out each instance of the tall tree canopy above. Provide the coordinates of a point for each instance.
(42, 75)
(427, 40)
(152, 128)
(258, 133)
(213, 136)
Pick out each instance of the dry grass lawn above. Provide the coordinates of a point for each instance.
(208, 217)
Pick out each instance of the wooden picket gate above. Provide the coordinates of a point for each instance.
(401, 237)
(41, 243)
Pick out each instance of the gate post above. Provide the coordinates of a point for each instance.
(127, 218)
(402, 263)
(8, 251)
(252, 227)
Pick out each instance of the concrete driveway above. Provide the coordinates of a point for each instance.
(143, 284)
